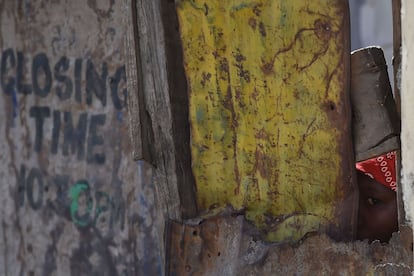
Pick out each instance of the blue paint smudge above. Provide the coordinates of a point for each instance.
(15, 103)
(200, 115)
(120, 116)
(143, 202)
(140, 164)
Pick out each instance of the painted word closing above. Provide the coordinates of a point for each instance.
(77, 79)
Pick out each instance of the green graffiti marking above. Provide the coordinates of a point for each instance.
(74, 194)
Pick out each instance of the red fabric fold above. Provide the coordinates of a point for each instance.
(381, 168)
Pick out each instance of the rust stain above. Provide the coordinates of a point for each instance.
(215, 54)
(239, 97)
(323, 29)
(262, 29)
(197, 249)
(267, 68)
(257, 9)
(315, 58)
(261, 163)
(205, 9)
(239, 57)
(242, 73)
(234, 126)
(205, 78)
(330, 75)
(224, 65)
(252, 23)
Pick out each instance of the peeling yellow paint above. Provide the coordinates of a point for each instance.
(267, 81)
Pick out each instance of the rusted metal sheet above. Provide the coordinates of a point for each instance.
(209, 248)
(224, 245)
(73, 201)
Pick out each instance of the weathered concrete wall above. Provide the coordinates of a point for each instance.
(407, 101)
(73, 201)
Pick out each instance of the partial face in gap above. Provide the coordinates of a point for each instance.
(378, 215)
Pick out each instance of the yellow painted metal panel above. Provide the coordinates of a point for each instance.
(269, 111)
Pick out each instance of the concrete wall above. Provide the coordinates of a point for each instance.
(73, 200)
(407, 103)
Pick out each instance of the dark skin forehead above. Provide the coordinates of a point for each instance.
(377, 216)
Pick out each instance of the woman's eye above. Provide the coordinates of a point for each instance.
(373, 201)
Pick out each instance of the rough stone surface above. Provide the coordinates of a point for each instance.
(225, 245)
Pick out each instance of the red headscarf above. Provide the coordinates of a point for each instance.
(381, 168)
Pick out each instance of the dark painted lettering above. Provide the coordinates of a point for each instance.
(62, 66)
(94, 139)
(115, 82)
(41, 75)
(102, 203)
(75, 201)
(21, 185)
(118, 213)
(55, 132)
(14, 77)
(35, 176)
(74, 138)
(8, 61)
(22, 87)
(39, 113)
(96, 84)
(78, 80)
(62, 183)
